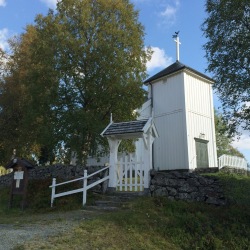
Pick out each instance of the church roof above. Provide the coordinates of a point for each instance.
(125, 127)
(175, 67)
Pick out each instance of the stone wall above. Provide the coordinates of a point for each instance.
(239, 171)
(176, 185)
(206, 170)
(187, 186)
(61, 172)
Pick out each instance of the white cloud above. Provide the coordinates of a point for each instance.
(159, 59)
(50, 3)
(4, 34)
(247, 104)
(169, 14)
(243, 143)
(2, 3)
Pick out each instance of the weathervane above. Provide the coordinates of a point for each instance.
(176, 36)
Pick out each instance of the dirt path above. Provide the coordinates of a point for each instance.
(41, 226)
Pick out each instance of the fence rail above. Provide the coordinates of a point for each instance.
(233, 162)
(83, 189)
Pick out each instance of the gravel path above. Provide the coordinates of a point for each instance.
(41, 226)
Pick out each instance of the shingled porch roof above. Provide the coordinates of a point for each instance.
(131, 129)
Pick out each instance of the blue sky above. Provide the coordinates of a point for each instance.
(161, 19)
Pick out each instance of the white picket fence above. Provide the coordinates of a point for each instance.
(233, 162)
(130, 174)
(83, 189)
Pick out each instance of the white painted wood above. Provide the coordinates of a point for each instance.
(199, 112)
(125, 172)
(168, 95)
(177, 47)
(145, 111)
(97, 182)
(233, 162)
(120, 169)
(113, 145)
(181, 106)
(79, 190)
(183, 111)
(84, 194)
(83, 189)
(141, 174)
(18, 176)
(169, 117)
(131, 167)
(170, 148)
(126, 166)
(53, 191)
(136, 176)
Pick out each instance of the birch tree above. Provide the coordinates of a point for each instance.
(227, 28)
(82, 62)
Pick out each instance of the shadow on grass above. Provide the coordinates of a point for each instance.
(158, 223)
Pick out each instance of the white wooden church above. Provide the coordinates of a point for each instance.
(181, 104)
(175, 128)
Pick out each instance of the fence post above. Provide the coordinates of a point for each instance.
(53, 191)
(84, 198)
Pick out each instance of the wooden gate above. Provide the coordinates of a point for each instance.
(130, 174)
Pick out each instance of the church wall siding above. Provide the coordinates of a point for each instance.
(200, 124)
(168, 95)
(170, 149)
(169, 152)
(200, 118)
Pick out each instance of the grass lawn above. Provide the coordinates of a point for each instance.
(153, 223)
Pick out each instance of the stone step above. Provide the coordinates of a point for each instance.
(117, 198)
(101, 208)
(106, 203)
(113, 200)
(127, 195)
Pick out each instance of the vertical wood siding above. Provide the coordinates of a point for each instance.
(168, 95)
(183, 109)
(200, 118)
(170, 149)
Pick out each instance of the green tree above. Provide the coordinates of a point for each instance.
(227, 29)
(79, 64)
(224, 137)
(16, 129)
(2, 62)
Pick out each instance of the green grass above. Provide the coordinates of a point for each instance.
(236, 188)
(158, 223)
(38, 201)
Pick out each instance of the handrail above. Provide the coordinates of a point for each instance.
(81, 178)
(83, 189)
(232, 161)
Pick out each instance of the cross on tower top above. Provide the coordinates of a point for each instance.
(176, 36)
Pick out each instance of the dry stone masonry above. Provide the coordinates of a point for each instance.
(187, 186)
(175, 185)
(61, 172)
